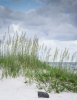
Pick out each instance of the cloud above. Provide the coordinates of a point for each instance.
(56, 20)
(60, 45)
(54, 25)
(66, 7)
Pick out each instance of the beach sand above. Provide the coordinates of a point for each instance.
(16, 89)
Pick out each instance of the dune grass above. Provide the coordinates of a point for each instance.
(22, 56)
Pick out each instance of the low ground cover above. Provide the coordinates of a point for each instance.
(22, 56)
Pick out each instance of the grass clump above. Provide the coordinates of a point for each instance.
(22, 56)
(58, 79)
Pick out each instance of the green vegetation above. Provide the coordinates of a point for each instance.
(22, 56)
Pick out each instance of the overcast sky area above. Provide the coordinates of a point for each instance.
(53, 21)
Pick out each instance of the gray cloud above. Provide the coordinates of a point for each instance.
(68, 7)
(57, 19)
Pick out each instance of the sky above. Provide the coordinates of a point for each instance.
(53, 21)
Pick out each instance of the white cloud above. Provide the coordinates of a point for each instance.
(55, 23)
(60, 45)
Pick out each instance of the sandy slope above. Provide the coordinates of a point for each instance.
(16, 89)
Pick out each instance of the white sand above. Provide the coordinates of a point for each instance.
(16, 89)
